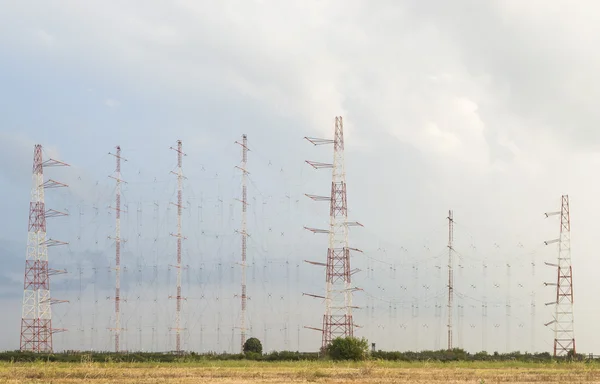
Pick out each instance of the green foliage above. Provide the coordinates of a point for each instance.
(348, 348)
(458, 354)
(253, 345)
(157, 357)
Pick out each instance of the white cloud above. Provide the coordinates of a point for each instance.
(112, 103)
(45, 38)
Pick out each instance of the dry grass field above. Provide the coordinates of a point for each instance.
(298, 372)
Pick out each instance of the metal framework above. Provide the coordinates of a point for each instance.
(36, 318)
(450, 276)
(563, 322)
(178, 297)
(244, 234)
(117, 177)
(337, 319)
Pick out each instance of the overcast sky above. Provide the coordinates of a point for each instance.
(486, 108)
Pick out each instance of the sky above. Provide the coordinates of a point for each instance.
(484, 108)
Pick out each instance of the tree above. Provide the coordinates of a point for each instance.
(348, 348)
(253, 345)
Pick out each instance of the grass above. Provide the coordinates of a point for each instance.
(299, 372)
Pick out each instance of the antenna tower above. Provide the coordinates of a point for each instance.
(36, 318)
(564, 332)
(244, 234)
(117, 177)
(179, 237)
(450, 276)
(337, 320)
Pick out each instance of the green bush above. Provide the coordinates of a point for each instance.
(253, 345)
(348, 348)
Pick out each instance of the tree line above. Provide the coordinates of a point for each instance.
(340, 349)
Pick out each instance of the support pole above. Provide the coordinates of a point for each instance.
(117, 177)
(244, 235)
(178, 297)
(450, 276)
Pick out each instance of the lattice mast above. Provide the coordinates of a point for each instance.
(117, 177)
(563, 322)
(178, 297)
(337, 319)
(450, 276)
(36, 318)
(244, 235)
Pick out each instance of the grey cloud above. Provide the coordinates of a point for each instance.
(537, 58)
(13, 263)
(446, 104)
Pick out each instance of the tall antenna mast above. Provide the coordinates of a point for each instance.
(337, 320)
(244, 234)
(179, 237)
(36, 318)
(564, 324)
(117, 176)
(450, 276)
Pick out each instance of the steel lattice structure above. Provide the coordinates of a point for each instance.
(337, 319)
(244, 234)
(177, 328)
(563, 322)
(36, 319)
(450, 277)
(117, 177)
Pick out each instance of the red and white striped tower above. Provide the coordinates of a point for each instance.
(177, 328)
(117, 177)
(244, 234)
(36, 319)
(337, 319)
(564, 324)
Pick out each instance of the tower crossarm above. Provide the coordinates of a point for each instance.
(49, 184)
(118, 179)
(53, 243)
(318, 141)
(313, 295)
(52, 272)
(316, 230)
(54, 213)
(353, 224)
(319, 165)
(54, 301)
(244, 170)
(314, 329)
(177, 174)
(548, 214)
(318, 198)
(54, 163)
(315, 263)
(354, 249)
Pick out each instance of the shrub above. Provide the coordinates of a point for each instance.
(253, 345)
(348, 348)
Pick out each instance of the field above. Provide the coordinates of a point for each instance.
(299, 372)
